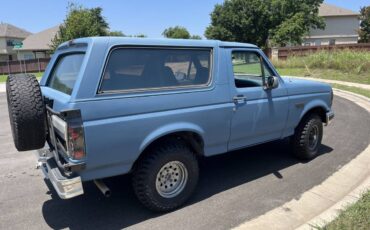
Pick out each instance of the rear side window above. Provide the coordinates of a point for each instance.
(154, 68)
(65, 73)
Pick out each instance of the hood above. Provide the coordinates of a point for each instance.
(302, 86)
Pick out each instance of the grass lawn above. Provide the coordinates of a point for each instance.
(331, 74)
(357, 90)
(3, 77)
(253, 68)
(355, 216)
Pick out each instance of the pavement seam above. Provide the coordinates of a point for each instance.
(349, 182)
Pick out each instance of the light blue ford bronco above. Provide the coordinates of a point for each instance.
(109, 106)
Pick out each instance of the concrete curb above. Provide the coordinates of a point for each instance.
(346, 83)
(2, 87)
(322, 203)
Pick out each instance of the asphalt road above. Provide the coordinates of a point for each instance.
(233, 187)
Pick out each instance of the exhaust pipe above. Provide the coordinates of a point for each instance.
(102, 187)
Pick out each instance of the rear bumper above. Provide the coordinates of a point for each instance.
(329, 117)
(66, 186)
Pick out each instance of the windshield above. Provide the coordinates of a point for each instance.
(65, 73)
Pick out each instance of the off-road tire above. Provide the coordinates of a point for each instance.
(300, 139)
(144, 177)
(26, 112)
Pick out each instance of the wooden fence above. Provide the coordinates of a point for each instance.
(284, 52)
(23, 66)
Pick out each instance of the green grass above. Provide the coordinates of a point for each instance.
(357, 90)
(330, 74)
(252, 69)
(3, 77)
(348, 61)
(344, 65)
(355, 216)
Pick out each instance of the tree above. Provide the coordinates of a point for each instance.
(176, 32)
(81, 22)
(292, 20)
(116, 33)
(365, 24)
(196, 37)
(260, 21)
(140, 36)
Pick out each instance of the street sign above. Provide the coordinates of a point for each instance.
(17, 44)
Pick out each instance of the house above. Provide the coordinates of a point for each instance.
(10, 36)
(37, 45)
(341, 27)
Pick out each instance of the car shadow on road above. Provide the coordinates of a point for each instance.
(122, 209)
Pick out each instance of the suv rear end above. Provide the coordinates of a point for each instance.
(65, 156)
(45, 113)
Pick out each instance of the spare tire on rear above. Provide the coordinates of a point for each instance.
(26, 112)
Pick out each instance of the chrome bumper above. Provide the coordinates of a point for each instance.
(66, 186)
(329, 117)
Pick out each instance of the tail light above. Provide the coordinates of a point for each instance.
(76, 142)
(75, 135)
(70, 137)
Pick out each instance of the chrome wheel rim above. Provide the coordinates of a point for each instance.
(313, 137)
(171, 179)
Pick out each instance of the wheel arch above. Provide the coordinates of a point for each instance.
(316, 107)
(191, 134)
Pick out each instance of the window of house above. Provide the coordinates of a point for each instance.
(155, 68)
(247, 69)
(28, 56)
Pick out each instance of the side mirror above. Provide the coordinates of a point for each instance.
(272, 82)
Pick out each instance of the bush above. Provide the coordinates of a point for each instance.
(345, 60)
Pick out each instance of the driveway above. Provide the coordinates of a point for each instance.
(232, 188)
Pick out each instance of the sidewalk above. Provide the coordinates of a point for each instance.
(358, 85)
(2, 87)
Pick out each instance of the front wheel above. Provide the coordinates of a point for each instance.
(167, 176)
(307, 137)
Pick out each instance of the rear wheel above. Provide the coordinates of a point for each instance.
(307, 137)
(167, 176)
(26, 112)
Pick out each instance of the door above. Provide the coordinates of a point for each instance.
(259, 114)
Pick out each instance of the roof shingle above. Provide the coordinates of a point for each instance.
(331, 10)
(40, 41)
(10, 31)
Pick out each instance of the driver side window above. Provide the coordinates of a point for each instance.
(247, 69)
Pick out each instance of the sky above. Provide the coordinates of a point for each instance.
(132, 17)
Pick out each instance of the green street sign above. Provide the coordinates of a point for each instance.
(17, 44)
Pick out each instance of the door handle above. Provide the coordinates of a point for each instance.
(239, 99)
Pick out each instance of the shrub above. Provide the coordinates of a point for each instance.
(346, 60)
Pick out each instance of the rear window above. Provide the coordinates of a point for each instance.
(155, 68)
(65, 73)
